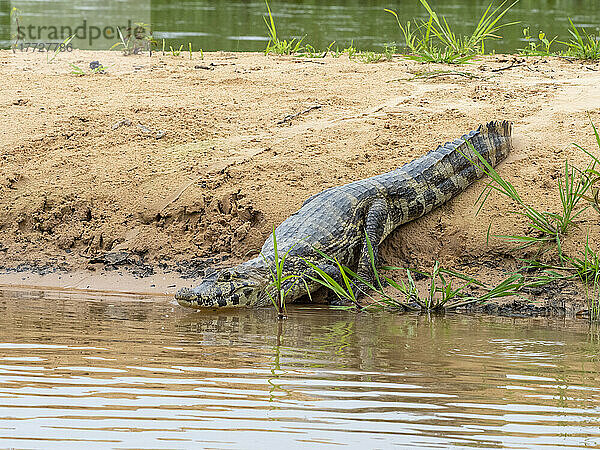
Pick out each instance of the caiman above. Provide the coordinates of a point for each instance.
(336, 221)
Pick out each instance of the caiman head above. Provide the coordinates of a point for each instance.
(237, 286)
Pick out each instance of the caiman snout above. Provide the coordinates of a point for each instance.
(185, 296)
(224, 288)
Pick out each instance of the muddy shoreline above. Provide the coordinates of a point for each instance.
(163, 166)
(556, 299)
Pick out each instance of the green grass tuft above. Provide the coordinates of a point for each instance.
(58, 49)
(282, 284)
(546, 227)
(136, 40)
(446, 289)
(539, 47)
(434, 40)
(582, 45)
(549, 228)
(310, 52)
(276, 45)
(593, 172)
(176, 51)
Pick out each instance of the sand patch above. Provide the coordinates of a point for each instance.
(173, 162)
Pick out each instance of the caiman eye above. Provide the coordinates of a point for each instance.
(226, 276)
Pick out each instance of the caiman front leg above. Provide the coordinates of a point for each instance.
(377, 216)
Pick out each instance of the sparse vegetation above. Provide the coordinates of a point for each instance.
(369, 57)
(446, 290)
(434, 40)
(390, 51)
(15, 16)
(280, 283)
(176, 52)
(310, 52)
(593, 172)
(76, 70)
(136, 40)
(276, 45)
(351, 51)
(537, 47)
(549, 228)
(582, 45)
(58, 49)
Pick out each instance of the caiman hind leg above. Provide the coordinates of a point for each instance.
(377, 216)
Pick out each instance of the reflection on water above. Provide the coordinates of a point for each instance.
(144, 373)
(238, 25)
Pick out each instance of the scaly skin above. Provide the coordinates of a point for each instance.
(335, 221)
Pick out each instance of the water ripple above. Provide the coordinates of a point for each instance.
(124, 378)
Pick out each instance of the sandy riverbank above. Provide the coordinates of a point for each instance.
(171, 164)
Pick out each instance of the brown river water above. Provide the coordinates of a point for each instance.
(102, 371)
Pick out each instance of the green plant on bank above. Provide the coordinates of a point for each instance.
(58, 49)
(547, 227)
(582, 45)
(310, 52)
(442, 293)
(276, 45)
(573, 186)
(369, 57)
(190, 49)
(351, 281)
(176, 52)
(137, 39)
(587, 265)
(76, 70)
(279, 281)
(351, 51)
(344, 291)
(366, 57)
(485, 29)
(422, 46)
(389, 51)
(539, 47)
(434, 40)
(593, 173)
(15, 15)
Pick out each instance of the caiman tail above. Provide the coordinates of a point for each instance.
(449, 169)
